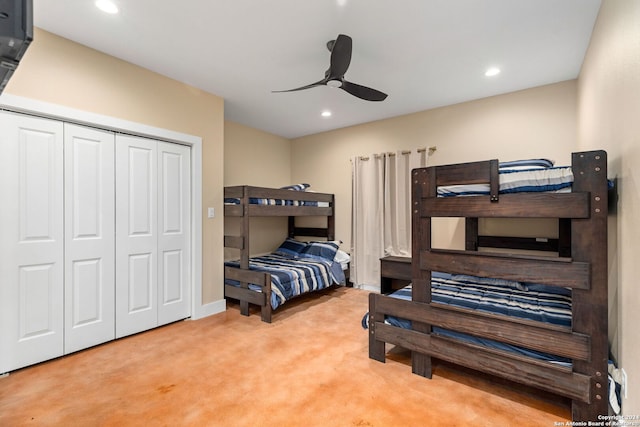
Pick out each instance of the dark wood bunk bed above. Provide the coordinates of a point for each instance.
(581, 265)
(299, 204)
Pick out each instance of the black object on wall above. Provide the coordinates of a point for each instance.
(16, 33)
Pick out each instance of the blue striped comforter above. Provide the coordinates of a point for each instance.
(542, 303)
(292, 277)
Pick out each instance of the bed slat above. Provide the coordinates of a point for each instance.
(233, 210)
(235, 242)
(514, 368)
(547, 205)
(538, 374)
(549, 271)
(520, 243)
(464, 173)
(310, 232)
(268, 210)
(243, 294)
(539, 337)
(248, 276)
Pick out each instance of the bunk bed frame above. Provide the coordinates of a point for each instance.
(581, 266)
(245, 210)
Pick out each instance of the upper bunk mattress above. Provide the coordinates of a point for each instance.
(293, 201)
(277, 202)
(552, 179)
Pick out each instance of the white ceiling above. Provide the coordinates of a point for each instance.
(422, 53)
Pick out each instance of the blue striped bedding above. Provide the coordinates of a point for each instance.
(526, 164)
(554, 179)
(542, 303)
(292, 277)
(549, 304)
(277, 202)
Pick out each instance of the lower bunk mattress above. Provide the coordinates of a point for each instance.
(537, 302)
(292, 276)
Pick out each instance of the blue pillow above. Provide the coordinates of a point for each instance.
(296, 187)
(290, 248)
(326, 250)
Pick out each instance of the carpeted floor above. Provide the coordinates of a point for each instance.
(310, 367)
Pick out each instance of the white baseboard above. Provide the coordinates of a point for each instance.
(210, 309)
(370, 288)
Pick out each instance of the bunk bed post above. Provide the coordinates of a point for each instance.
(564, 237)
(376, 348)
(494, 181)
(292, 227)
(471, 234)
(331, 220)
(265, 310)
(244, 252)
(589, 243)
(423, 185)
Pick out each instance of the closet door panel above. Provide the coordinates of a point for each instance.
(89, 237)
(174, 236)
(31, 240)
(136, 235)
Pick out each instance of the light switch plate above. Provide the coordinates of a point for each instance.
(211, 212)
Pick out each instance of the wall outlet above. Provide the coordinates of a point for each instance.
(623, 379)
(211, 212)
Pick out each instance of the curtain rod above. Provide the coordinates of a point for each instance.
(431, 150)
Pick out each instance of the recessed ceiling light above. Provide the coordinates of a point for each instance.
(107, 6)
(326, 113)
(493, 71)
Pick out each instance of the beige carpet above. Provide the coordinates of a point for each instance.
(310, 367)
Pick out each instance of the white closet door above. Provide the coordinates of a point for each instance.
(174, 220)
(31, 240)
(136, 235)
(89, 237)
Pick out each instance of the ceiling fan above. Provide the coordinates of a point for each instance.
(340, 49)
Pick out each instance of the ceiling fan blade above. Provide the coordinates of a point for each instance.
(363, 92)
(340, 57)
(309, 86)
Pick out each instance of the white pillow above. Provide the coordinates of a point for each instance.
(342, 257)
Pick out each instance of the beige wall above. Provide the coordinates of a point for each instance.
(253, 157)
(529, 123)
(62, 72)
(608, 106)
